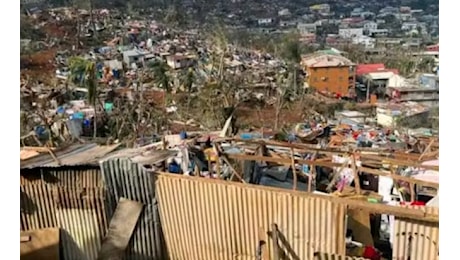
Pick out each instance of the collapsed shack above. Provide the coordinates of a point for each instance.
(372, 175)
(75, 192)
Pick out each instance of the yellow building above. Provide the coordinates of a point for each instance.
(329, 73)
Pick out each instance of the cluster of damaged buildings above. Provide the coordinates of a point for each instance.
(206, 196)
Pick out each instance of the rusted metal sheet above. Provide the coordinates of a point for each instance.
(38, 209)
(73, 155)
(81, 212)
(76, 176)
(69, 199)
(211, 219)
(123, 178)
(416, 239)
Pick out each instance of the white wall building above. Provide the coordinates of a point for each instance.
(350, 32)
(366, 41)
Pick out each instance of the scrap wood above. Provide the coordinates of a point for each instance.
(426, 150)
(359, 223)
(397, 162)
(224, 157)
(25, 239)
(38, 149)
(120, 229)
(280, 160)
(293, 169)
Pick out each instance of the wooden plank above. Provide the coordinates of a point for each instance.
(41, 244)
(276, 252)
(373, 153)
(359, 223)
(399, 177)
(263, 244)
(355, 174)
(25, 238)
(285, 161)
(120, 230)
(294, 172)
(399, 162)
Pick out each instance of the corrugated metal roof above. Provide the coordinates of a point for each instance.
(142, 155)
(72, 200)
(325, 60)
(413, 239)
(79, 154)
(123, 178)
(367, 68)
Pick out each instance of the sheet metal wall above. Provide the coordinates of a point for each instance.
(424, 238)
(129, 180)
(66, 198)
(210, 219)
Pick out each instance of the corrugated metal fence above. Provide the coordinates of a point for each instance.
(210, 219)
(202, 219)
(416, 239)
(81, 202)
(129, 180)
(68, 198)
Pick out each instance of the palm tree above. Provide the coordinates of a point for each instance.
(283, 89)
(292, 52)
(188, 80)
(83, 73)
(161, 78)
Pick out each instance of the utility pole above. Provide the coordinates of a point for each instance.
(368, 90)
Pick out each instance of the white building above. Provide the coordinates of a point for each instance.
(370, 26)
(409, 26)
(284, 12)
(265, 21)
(306, 28)
(350, 32)
(379, 33)
(366, 41)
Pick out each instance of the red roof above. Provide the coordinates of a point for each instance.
(433, 47)
(368, 68)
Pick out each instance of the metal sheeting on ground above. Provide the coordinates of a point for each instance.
(210, 219)
(416, 239)
(123, 178)
(72, 200)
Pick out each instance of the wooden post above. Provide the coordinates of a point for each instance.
(412, 192)
(275, 242)
(355, 174)
(426, 150)
(312, 171)
(224, 158)
(294, 173)
(263, 244)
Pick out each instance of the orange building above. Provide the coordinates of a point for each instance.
(329, 73)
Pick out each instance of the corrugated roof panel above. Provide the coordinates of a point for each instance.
(73, 155)
(72, 200)
(123, 178)
(415, 239)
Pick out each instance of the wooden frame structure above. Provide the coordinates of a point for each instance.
(255, 151)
